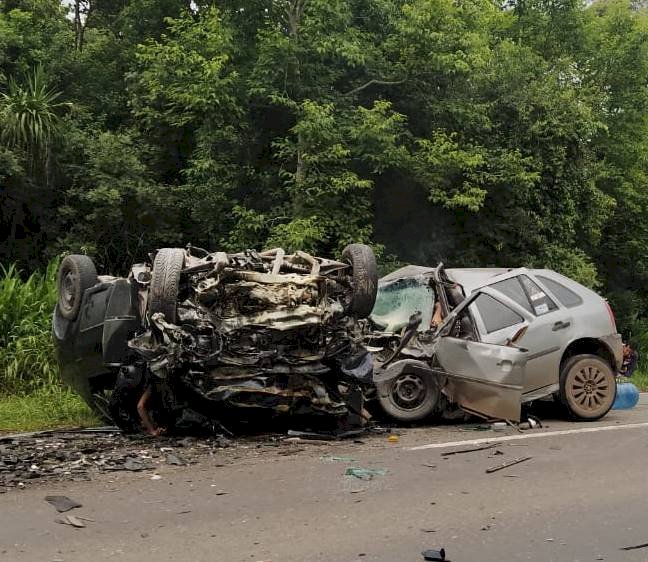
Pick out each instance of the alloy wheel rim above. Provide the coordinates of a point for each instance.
(589, 388)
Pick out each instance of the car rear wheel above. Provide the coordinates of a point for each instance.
(76, 274)
(587, 387)
(365, 278)
(165, 282)
(409, 397)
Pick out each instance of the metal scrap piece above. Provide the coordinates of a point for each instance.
(472, 450)
(506, 464)
(635, 547)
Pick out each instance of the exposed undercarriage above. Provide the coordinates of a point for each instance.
(229, 337)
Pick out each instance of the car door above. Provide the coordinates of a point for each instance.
(484, 378)
(546, 335)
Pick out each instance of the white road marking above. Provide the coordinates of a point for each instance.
(526, 436)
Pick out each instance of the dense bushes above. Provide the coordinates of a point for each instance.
(27, 360)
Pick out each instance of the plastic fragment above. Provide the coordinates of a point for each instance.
(62, 503)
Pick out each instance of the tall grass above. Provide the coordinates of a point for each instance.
(27, 361)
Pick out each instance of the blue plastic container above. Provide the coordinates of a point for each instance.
(627, 396)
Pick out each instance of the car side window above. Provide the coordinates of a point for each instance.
(541, 302)
(566, 296)
(513, 289)
(495, 315)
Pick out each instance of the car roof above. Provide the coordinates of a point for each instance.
(407, 271)
(471, 278)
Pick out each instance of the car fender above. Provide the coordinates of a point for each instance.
(383, 377)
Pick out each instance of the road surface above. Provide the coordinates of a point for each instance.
(582, 496)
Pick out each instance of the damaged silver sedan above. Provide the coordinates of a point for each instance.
(193, 336)
(489, 340)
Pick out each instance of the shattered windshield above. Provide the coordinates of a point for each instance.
(398, 300)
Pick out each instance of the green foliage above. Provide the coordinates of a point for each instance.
(26, 352)
(43, 409)
(518, 135)
(29, 112)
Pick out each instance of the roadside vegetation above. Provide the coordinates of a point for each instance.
(31, 396)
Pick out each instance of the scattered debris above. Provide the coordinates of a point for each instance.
(133, 465)
(428, 465)
(156, 477)
(498, 426)
(506, 464)
(75, 521)
(62, 503)
(328, 435)
(635, 547)
(436, 555)
(429, 530)
(472, 450)
(365, 473)
(477, 427)
(72, 521)
(175, 460)
(531, 423)
(393, 438)
(338, 459)
(76, 456)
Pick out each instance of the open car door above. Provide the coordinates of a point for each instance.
(483, 378)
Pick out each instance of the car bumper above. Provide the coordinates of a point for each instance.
(614, 343)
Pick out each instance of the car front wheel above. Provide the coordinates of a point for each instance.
(409, 397)
(587, 387)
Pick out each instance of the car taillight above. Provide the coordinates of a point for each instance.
(611, 313)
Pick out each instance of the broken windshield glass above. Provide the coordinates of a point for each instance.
(398, 300)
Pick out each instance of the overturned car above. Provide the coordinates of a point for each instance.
(192, 335)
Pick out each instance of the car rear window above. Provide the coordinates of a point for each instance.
(540, 301)
(496, 316)
(513, 289)
(566, 296)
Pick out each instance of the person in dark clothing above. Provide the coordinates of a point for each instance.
(630, 359)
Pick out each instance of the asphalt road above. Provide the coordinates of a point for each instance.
(582, 496)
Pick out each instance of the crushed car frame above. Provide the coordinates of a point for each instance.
(192, 334)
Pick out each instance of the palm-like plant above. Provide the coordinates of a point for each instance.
(30, 113)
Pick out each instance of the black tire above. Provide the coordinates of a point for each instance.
(76, 274)
(400, 403)
(365, 278)
(165, 282)
(587, 387)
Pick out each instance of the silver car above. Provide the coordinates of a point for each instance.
(492, 339)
